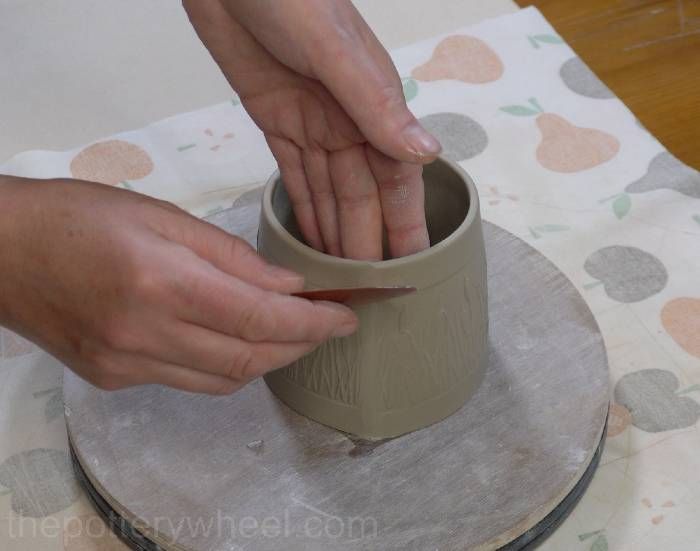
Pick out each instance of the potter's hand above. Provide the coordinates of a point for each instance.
(128, 290)
(324, 91)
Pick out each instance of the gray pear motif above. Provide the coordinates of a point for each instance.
(667, 172)
(651, 398)
(41, 482)
(581, 80)
(461, 137)
(242, 218)
(629, 274)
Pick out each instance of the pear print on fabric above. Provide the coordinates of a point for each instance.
(681, 320)
(111, 162)
(565, 147)
(655, 402)
(667, 172)
(628, 274)
(460, 136)
(461, 57)
(580, 79)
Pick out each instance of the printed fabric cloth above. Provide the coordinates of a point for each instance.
(559, 161)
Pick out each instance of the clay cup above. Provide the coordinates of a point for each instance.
(415, 359)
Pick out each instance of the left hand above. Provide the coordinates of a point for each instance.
(325, 93)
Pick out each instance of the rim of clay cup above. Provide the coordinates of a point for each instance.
(305, 250)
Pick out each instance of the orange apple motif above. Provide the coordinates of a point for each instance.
(681, 319)
(619, 419)
(461, 57)
(111, 162)
(564, 146)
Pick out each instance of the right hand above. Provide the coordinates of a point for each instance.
(128, 290)
(328, 99)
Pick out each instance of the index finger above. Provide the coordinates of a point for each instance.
(401, 192)
(217, 301)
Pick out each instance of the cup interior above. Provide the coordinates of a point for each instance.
(447, 203)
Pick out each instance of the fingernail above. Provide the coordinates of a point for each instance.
(346, 329)
(282, 273)
(349, 324)
(420, 141)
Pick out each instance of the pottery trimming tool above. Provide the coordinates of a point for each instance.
(356, 296)
(501, 473)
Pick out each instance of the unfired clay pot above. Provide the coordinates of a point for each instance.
(415, 359)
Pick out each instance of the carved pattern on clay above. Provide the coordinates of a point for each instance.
(333, 370)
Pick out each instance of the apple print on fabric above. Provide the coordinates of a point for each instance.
(40, 481)
(681, 320)
(581, 80)
(565, 147)
(111, 162)
(652, 398)
(463, 58)
(628, 274)
(461, 137)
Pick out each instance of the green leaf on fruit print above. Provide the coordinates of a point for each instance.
(524, 110)
(600, 543)
(587, 535)
(693, 388)
(519, 110)
(537, 39)
(621, 204)
(592, 284)
(235, 100)
(696, 217)
(536, 231)
(410, 88)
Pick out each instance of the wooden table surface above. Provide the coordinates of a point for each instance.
(648, 53)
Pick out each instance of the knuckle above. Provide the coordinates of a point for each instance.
(256, 322)
(118, 335)
(322, 195)
(322, 325)
(146, 283)
(239, 249)
(350, 199)
(240, 365)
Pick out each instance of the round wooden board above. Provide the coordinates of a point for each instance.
(204, 473)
